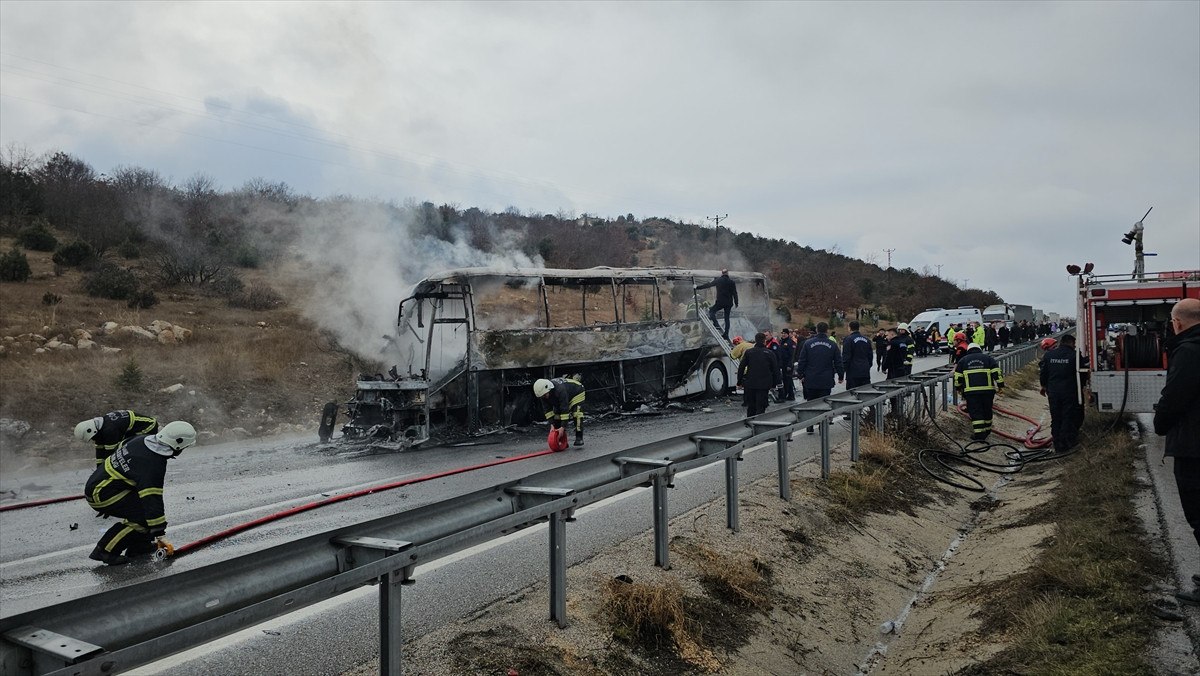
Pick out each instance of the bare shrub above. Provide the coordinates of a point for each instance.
(257, 297)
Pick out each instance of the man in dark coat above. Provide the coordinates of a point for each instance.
(1061, 380)
(785, 352)
(881, 348)
(758, 373)
(856, 358)
(897, 361)
(727, 298)
(1177, 415)
(819, 359)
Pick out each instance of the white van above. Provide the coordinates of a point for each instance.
(942, 319)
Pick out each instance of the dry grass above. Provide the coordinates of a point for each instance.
(738, 580)
(1025, 378)
(653, 616)
(887, 477)
(1081, 607)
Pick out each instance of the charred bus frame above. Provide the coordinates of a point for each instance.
(471, 342)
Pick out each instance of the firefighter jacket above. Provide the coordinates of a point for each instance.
(978, 372)
(726, 291)
(132, 469)
(1177, 413)
(116, 427)
(740, 349)
(819, 359)
(759, 369)
(1057, 371)
(566, 395)
(856, 356)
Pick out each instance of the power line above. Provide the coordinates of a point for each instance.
(717, 233)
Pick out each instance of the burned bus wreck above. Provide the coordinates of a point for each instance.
(471, 342)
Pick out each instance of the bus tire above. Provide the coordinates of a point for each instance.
(328, 420)
(716, 380)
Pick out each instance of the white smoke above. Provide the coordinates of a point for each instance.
(360, 259)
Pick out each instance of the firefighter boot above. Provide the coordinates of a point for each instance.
(578, 438)
(107, 558)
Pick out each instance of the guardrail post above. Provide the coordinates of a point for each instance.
(932, 393)
(390, 655)
(825, 447)
(945, 394)
(781, 456)
(662, 556)
(558, 568)
(855, 414)
(878, 411)
(731, 492)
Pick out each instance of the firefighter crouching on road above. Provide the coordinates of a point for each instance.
(562, 399)
(129, 485)
(109, 430)
(978, 378)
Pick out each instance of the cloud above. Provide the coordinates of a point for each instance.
(997, 139)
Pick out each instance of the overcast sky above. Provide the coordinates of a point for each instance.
(998, 140)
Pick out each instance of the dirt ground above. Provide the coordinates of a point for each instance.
(895, 592)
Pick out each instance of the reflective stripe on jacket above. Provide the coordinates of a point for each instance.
(978, 372)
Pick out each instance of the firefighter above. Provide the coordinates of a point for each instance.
(562, 399)
(129, 485)
(910, 348)
(111, 429)
(739, 348)
(960, 347)
(977, 377)
(1060, 380)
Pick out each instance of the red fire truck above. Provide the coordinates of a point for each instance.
(1124, 325)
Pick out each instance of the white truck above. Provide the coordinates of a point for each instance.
(942, 319)
(1009, 313)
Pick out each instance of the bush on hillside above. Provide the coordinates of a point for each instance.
(257, 297)
(248, 257)
(129, 250)
(131, 379)
(74, 254)
(111, 281)
(228, 286)
(142, 299)
(14, 266)
(37, 237)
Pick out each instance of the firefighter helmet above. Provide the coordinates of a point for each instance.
(1048, 344)
(960, 337)
(974, 346)
(737, 340)
(177, 434)
(542, 387)
(87, 429)
(902, 326)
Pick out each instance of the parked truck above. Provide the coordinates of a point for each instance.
(1009, 313)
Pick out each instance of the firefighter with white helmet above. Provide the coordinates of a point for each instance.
(978, 377)
(108, 431)
(562, 399)
(129, 486)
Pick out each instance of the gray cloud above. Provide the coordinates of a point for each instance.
(1000, 140)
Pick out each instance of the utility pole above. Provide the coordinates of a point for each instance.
(717, 234)
(889, 255)
(939, 267)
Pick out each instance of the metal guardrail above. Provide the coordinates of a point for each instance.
(150, 620)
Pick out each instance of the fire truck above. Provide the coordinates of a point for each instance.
(1124, 329)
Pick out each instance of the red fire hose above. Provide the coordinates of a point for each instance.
(36, 503)
(1030, 439)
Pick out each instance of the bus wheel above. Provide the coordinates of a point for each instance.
(716, 381)
(328, 420)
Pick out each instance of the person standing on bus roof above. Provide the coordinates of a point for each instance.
(727, 298)
(1177, 416)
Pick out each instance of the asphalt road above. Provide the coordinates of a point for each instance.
(43, 558)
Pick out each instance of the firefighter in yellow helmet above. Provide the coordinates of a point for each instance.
(978, 378)
(562, 400)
